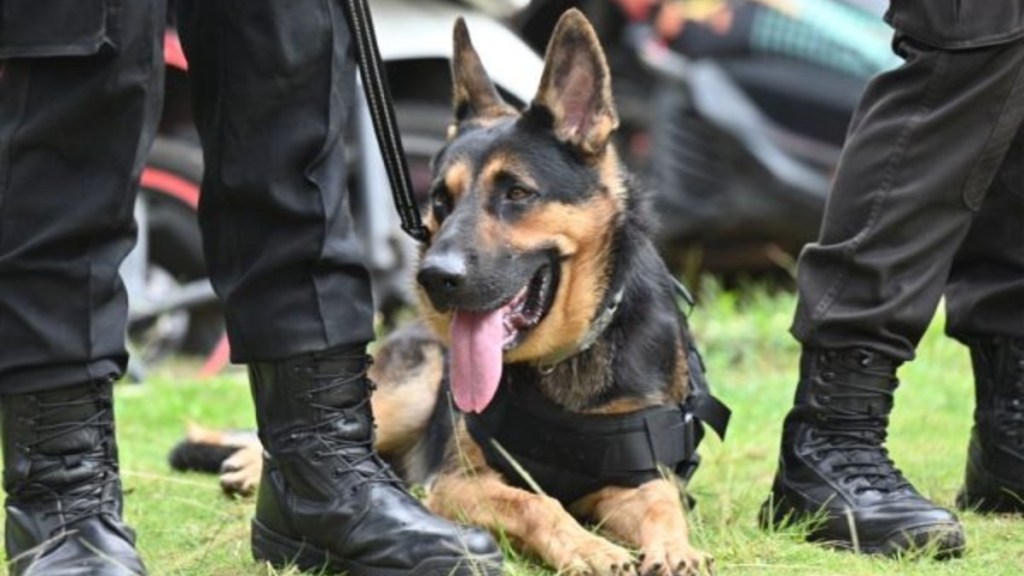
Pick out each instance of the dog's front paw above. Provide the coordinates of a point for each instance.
(676, 560)
(240, 473)
(596, 556)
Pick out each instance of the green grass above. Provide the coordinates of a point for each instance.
(186, 526)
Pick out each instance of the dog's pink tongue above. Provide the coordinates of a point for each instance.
(477, 340)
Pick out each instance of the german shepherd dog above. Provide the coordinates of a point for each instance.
(538, 276)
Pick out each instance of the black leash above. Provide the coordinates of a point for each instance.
(383, 114)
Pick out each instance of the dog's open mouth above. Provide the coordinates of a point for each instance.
(527, 308)
(480, 338)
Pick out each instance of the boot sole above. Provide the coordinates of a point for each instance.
(987, 493)
(281, 552)
(944, 540)
(989, 503)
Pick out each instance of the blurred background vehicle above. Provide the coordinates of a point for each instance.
(734, 112)
(173, 309)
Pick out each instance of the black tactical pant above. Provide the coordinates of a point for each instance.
(928, 200)
(80, 94)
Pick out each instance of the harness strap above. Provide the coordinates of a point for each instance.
(382, 113)
(570, 455)
(704, 405)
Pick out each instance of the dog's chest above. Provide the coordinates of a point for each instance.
(577, 382)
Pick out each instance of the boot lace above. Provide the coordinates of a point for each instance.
(349, 453)
(77, 500)
(85, 500)
(856, 438)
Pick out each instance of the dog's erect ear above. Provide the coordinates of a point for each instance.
(576, 86)
(473, 93)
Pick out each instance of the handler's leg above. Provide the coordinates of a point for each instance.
(273, 81)
(80, 89)
(985, 304)
(923, 148)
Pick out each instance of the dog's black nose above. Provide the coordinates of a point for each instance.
(442, 275)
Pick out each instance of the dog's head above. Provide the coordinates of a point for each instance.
(524, 209)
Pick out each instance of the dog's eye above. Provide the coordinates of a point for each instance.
(440, 201)
(519, 193)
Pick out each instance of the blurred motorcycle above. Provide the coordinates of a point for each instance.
(173, 308)
(736, 123)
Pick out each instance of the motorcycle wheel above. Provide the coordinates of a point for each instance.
(170, 189)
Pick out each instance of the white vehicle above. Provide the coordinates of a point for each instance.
(172, 306)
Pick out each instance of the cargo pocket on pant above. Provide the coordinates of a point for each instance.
(50, 28)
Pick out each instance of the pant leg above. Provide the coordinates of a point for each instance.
(77, 114)
(923, 148)
(985, 295)
(273, 81)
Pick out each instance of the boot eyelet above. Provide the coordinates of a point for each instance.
(828, 376)
(336, 473)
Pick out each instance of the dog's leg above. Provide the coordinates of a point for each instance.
(537, 524)
(651, 518)
(240, 473)
(471, 492)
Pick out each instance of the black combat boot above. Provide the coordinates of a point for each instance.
(995, 457)
(326, 500)
(835, 471)
(63, 489)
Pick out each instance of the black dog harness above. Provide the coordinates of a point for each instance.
(537, 444)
